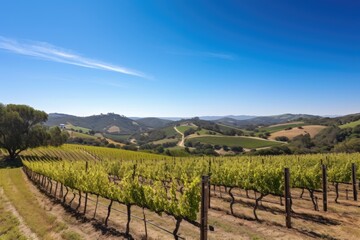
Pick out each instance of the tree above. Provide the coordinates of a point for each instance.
(57, 137)
(356, 129)
(20, 128)
(237, 149)
(350, 146)
(282, 139)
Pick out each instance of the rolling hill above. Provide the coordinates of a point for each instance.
(264, 121)
(313, 130)
(107, 123)
(153, 122)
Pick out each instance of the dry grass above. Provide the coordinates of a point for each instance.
(296, 131)
(113, 129)
(9, 224)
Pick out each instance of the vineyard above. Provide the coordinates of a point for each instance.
(244, 187)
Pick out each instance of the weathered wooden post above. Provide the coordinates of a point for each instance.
(204, 207)
(324, 186)
(287, 198)
(353, 171)
(86, 194)
(209, 183)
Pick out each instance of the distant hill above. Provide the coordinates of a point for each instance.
(153, 122)
(264, 121)
(337, 121)
(207, 118)
(108, 123)
(236, 117)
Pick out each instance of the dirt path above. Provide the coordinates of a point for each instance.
(25, 230)
(181, 143)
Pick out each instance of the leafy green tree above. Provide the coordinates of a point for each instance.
(357, 129)
(350, 146)
(57, 137)
(282, 139)
(20, 128)
(237, 149)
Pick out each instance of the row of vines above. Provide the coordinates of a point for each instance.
(168, 185)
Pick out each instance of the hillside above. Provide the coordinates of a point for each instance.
(350, 124)
(313, 130)
(153, 122)
(108, 123)
(265, 120)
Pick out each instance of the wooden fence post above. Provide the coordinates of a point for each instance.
(287, 198)
(353, 171)
(204, 207)
(209, 204)
(324, 185)
(86, 194)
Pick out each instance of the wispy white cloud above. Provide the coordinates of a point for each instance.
(49, 52)
(220, 55)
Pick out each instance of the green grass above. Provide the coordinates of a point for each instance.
(225, 128)
(35, 217)
(70, 126)
(81, 135)
(281, 127)
(70, 235)
(9, 224)
(170, 132)
(166, 140)
(244, 142)
(350, 124)
(206, 132)
(116, 137)
(182, 129)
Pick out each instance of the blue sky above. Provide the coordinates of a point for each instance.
(181, 58)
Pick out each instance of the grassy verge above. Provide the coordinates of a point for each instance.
(36, 218)
(9, 224)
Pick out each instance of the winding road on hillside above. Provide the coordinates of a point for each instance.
(181, 143)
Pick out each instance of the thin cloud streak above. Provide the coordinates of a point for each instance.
(49, 52)
(219, 55)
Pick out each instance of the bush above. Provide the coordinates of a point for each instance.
(350, 146)
(111, 145)
(189, 132)
(131, 147)
(237, 149)
(282, 138)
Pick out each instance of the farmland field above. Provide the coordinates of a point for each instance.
(77, 128)
(351, 124)
(182, 129)
(279, 127)
(245, 142)
(117, 137)
(295, 131)
(81, 135)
